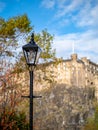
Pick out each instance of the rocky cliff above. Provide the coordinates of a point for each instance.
(63, 108)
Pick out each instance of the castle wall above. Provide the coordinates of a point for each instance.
(73, 72)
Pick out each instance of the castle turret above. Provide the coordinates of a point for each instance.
(74, 56)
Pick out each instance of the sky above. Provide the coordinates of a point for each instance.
(74, 23)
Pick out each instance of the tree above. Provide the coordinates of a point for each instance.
(10, 30)
(45, 41)
(11, 120)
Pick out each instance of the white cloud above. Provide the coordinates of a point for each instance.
(87, 16)
(82, 13)
(48, 3)
(2, 6)
(85, 44)
(66, 7)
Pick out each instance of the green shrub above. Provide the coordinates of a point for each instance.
(11, 120)
(92, 123)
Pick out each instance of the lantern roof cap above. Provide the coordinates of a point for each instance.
(31, 45)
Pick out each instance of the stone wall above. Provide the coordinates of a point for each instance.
(74, 71)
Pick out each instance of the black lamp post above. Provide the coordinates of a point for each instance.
(31, 53)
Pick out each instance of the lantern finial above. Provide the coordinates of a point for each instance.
(32, 37)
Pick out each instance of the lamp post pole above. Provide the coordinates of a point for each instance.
(31, 100)
(31, 53)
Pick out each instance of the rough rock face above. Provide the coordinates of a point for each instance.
(63, 108)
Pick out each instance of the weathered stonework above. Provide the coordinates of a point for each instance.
(73, 72)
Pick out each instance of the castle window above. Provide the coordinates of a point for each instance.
(91, 83)
(92, 71)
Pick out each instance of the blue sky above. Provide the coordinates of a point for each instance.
(73, 22)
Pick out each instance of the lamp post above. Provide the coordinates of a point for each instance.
(31, 53)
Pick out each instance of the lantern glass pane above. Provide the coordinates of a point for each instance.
(38, 55)
(30, 56)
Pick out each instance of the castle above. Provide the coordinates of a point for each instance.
(73, 72)
(81, 73)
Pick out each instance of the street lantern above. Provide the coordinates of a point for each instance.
(31, 53)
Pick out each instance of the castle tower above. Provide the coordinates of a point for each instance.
(74, 57)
